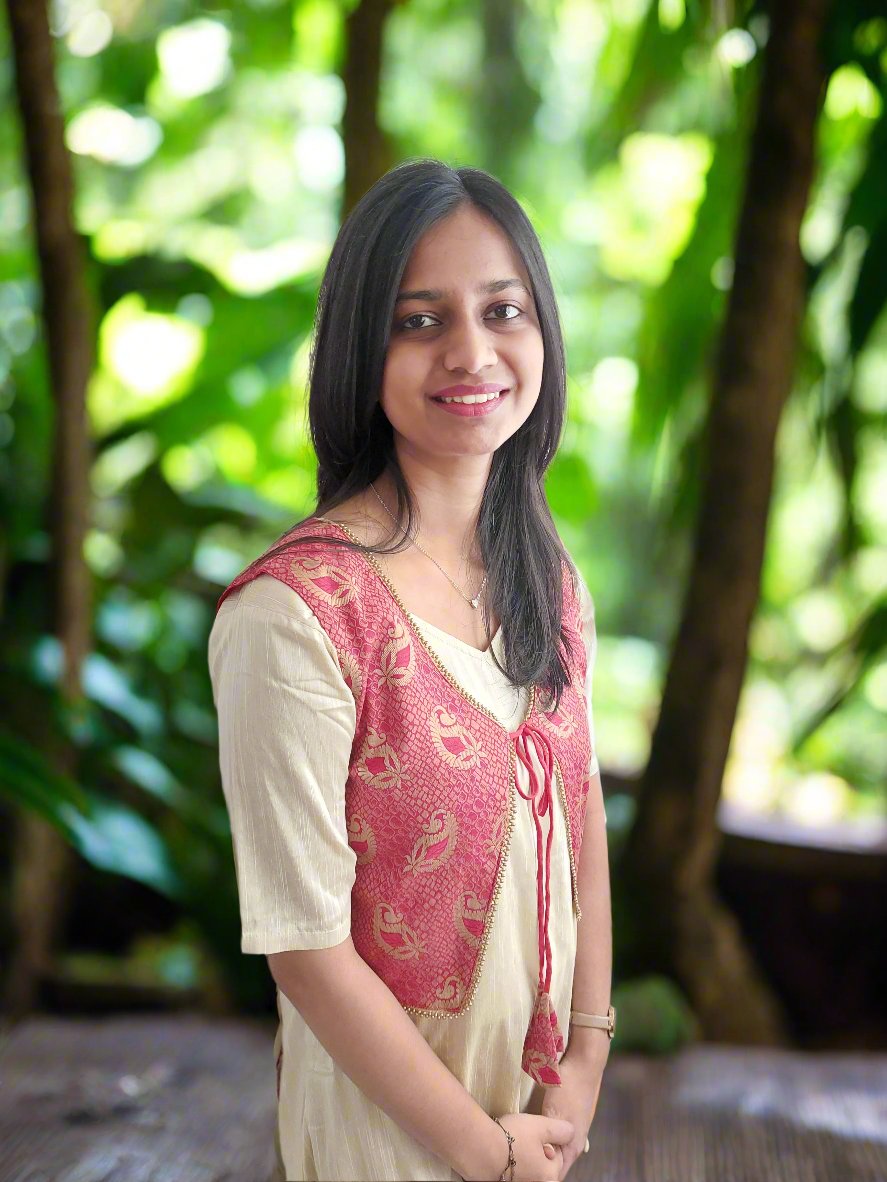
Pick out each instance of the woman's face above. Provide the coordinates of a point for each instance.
(450, 335)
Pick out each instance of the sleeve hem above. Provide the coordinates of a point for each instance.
(294, 940)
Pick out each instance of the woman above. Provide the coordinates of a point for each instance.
(403, 687)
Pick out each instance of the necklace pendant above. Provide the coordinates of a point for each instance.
(474, 602)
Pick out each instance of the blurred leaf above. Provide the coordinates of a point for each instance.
(652, 1017)
(652, 70)
(867, 645)
(27, 779)
(108, 835)
(114, 838)
(569, 487)
(683, 315)
(870, 294)
(146, 770)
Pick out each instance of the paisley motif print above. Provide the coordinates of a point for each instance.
(452, 993)
(493, 844)
(560, 721)
(379, 764)
(429, 800)
(455, 744)
(435, 845)
(352, 673)
(397, 659)
(544, 1043)
(328, 580)
(394, 936)
(470, 914)
(362, 840)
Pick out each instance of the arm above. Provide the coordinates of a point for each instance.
(594, 941)
(588, 1048)
(594, 946)
(286, 726)
(361, 1024)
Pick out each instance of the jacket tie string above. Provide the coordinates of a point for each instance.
(544, 1042)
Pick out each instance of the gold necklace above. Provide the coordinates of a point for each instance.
(474, 602)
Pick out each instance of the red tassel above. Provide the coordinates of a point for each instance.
(544, 1043)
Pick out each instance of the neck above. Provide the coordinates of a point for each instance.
(448, 495)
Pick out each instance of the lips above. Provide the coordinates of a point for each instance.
(460, 391)
(475, 408)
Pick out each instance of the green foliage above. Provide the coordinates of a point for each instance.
(209, 175)
(652, 1017)
(108, 835)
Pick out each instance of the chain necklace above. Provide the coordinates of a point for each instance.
(474, 602)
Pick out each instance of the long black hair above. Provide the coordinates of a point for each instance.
(354, 440)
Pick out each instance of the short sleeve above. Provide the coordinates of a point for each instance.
(589, 636)
(286, 720)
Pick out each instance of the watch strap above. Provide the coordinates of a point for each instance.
(600, 1021)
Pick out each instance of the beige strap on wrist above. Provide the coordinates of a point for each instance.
(600, 1021)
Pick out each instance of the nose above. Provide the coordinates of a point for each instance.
(469, 348)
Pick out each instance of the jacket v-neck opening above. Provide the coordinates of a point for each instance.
(476, 652)
(457, 685)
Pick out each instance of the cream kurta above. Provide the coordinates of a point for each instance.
(286, 723)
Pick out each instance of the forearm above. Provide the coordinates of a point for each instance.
(592, 975)
(361, 1024)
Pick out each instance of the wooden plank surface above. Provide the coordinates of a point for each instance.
(735, 1114)
(137, 1098)
(188, 1098)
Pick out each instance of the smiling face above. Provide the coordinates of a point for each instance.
(465, 317)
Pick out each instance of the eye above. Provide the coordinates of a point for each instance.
(415, 316)
(405, 324)
(516, 308)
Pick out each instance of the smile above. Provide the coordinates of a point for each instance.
(470, 397)
(471, 405)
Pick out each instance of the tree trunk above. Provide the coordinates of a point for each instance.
(505, 101)
(667, 868)
(368, 154)
(42, 862)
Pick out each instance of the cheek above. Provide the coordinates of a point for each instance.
(399, 383)
(532, 359)
(389, 379)
(394, 365)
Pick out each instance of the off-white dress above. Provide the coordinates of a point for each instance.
(286, 723)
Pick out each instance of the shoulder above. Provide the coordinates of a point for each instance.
(263, 619)
(586, 602)
(273, 594)
(267, 593)
(320, 574)
(580, 596)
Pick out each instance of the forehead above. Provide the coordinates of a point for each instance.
(461, 250)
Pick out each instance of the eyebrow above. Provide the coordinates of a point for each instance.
(483, 289)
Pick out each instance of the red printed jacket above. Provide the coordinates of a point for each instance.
(430, 799)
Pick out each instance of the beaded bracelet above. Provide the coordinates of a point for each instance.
(511, 1162)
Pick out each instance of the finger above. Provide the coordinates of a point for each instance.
(560, 1131)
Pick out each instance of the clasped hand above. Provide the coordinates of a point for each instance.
(576, 1101)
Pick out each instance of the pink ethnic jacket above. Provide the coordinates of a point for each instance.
(429, 800)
